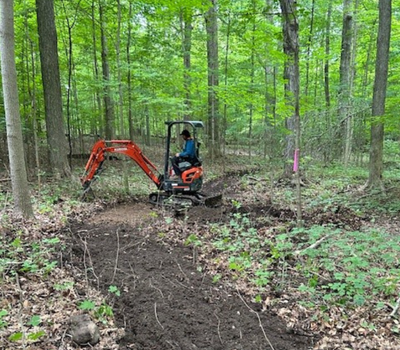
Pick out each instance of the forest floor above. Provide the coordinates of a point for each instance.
(167, 301)
(228, 277)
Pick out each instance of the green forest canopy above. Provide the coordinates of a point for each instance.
(145, 46)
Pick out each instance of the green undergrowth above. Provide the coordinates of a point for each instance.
(24, 259)
(327, 265)
(19, 255)
(340, 186)
(348, 268)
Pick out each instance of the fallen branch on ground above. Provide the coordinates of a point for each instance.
(395, 308)
(312, 246)
(259, 319)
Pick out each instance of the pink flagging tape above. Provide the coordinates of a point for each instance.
(296, 160)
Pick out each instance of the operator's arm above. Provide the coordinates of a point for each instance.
(189, 149)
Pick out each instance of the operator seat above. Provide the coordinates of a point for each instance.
(191, 162)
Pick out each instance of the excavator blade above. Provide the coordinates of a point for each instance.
(213, 201)
(207, 200)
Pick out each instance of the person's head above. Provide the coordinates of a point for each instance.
(185, 134)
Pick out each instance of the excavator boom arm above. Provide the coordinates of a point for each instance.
(126, 147)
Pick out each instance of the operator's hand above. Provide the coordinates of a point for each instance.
(177, 155)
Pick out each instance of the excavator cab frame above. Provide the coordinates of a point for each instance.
(191, 179)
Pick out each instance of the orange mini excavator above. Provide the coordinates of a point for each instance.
(185, 189)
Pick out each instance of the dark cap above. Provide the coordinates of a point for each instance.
(185, 133)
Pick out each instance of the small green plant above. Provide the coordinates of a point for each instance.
(29, 266)
(87, 305)
(236, 204)
(263, 277)
(193, 239)
(114, 290)
(103, 312)
(34, 321)
(64, 286)
(3, 323)
(36, 335)
(15, 337)
(258, 298)
(216, 278)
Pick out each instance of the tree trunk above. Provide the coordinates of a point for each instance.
(186, 28)
(34, 116)
(353, 59)
(291, 75)
(57, 143)
(327, 54)
(270, 75)
(252, 73)
(129, 78)
(379, 97)
(96, 128)
(345, 117)
(19, 181)
(119, 69)
(213, 78)
(226, 73)
(69, 52)
(368, 59)
(310, 36)
(108, 104)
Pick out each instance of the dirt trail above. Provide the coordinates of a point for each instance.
(165, 302)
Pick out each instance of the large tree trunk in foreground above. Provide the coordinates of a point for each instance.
(379, 97)
(19, 181)
(57, 142)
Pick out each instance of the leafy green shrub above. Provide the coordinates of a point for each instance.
(21, 256)
(352, 267)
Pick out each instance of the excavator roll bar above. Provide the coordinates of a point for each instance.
(170, 124)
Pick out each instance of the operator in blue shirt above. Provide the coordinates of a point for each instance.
(187, 155)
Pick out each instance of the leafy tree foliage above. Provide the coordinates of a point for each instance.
(148, 77)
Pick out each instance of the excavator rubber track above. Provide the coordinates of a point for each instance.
(186, 200)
